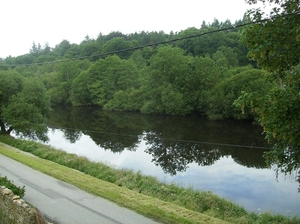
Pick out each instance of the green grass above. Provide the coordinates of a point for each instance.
(145, 194)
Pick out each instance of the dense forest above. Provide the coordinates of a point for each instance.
(203, 75)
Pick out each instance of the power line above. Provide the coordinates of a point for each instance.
(157, 43)
(166, 139)
(138, 135)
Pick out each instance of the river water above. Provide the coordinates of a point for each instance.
(225, 157)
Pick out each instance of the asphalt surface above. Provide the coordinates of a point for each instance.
(62, 203)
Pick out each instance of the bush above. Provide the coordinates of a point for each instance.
(10, 185)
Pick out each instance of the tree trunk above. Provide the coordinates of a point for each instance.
(2, 127)
(9, 130)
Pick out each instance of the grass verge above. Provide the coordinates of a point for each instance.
(146, 195)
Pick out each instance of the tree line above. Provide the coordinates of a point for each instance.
(198, 75)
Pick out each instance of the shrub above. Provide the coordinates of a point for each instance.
(20, 191)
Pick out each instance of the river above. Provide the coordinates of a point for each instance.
(225, 157)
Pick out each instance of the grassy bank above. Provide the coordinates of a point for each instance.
(146, 195)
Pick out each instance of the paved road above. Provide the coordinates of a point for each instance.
(61, 203)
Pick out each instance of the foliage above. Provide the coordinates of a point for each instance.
(90, 48)
(20, 191)
(279, 116)
(174, 79)
(162, 88)
(117, 44)
(223, 95)
(10, 84)
(275, 45)
(24, 105)
(204, 75)
(226, 57)
(62, 48)
(128, 100)
(138, 58)
(60, 91)
(103, 79)
(80, 94)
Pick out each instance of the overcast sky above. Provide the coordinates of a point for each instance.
(42, 21)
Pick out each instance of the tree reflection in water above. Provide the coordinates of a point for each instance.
(173, 142)
(174, 156)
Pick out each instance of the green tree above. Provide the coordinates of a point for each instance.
(24, 59)
(80, 94)
(225, 56)
(62, 48)
(275, 45)
(10, 84)
(35, 49)
(190, 44)
(129, 100)
(118, 44)
(222, 96)
(66, 73)
(139, 60)
(164, 83)
(204, 75)
(45, 58)
(24, 106)
(103, 79)
(90, 48)
(73, 51)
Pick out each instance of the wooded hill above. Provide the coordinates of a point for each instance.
(203, 74)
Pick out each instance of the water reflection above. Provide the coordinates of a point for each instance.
(224, 157)
(175, 155)
(173, 142)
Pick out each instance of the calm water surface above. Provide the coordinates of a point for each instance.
(222, 157)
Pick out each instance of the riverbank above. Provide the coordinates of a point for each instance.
(164, 202)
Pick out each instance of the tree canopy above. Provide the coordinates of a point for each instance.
(202, 75)
(24, 105)
(275, 45)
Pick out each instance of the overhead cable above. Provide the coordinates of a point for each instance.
(165, 139)
(157, 43)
